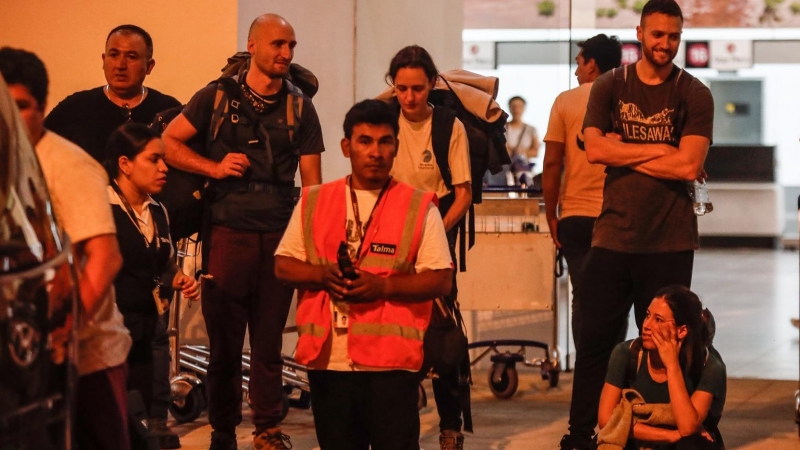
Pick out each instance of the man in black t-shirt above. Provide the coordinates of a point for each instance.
(253, 154)
(651, 124)
(87, 118)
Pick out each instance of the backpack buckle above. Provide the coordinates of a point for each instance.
(235, 104)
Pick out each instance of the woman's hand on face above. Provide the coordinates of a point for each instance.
(187, 285)
(665, 337)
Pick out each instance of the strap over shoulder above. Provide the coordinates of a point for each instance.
(441, 131)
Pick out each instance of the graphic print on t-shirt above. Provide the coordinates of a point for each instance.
(427, 158)
(638, 128)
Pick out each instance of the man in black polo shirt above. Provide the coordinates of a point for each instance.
(87, 118)
(253, 153)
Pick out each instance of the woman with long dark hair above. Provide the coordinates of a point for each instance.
(137, 170)
(678, 380)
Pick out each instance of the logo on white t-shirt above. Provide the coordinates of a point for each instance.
(427, 157)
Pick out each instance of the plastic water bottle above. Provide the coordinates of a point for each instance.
(700, 198)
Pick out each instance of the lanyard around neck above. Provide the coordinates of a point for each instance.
(357, 215)
(132, 215)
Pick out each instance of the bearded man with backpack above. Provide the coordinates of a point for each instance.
(651, 124)
(260, 128)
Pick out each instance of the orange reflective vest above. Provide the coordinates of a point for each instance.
(384, 333)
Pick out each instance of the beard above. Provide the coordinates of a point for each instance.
(272, 72)
(650, 55)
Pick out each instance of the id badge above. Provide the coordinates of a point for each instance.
(340, 319)
(157, 299)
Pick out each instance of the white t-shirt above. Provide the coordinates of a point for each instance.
(434, 254)
(582, 189)
(77, 185)
(415, 163)
(519, 140)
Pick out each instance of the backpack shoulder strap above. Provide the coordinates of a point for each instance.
(620, 77)
(635, 354)
(441, 130)
(294, 108)
(225, 95)
(679, 98)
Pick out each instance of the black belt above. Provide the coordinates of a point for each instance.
(256, 186)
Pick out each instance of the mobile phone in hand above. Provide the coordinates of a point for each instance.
(345, 264)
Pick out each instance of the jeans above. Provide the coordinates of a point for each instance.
(575, 236)
(244, 292)
(445, 387)
(101, 411)
(356, 410)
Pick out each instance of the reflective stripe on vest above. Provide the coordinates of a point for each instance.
(400, 262)
(309, 205)
(311, 329)
(382, 333)
(386, 329)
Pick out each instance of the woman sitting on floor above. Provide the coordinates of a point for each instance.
(665, 390)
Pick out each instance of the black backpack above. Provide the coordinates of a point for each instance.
(184, 193)
(487, 140)
(487, 151)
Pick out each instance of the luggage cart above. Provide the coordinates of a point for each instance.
(511, 268)
(190, 364)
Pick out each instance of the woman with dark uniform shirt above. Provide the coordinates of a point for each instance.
(137, 170)
(675, 366)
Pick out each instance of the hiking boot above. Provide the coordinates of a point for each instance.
(167, 439)
(569, 442)
(221, 440)
(451, 440)
(271, 439)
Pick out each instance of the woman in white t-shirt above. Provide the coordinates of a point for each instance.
(522, 141)
(413, 74)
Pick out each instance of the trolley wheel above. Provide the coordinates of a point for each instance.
(503, 380)
(422, 397)
(304, 402)
(554, 374)
(187, 401)
(551, 372)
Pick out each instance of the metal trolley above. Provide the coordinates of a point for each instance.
(511, 268)
(190, 361)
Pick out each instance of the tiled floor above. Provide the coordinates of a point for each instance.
(752, 293)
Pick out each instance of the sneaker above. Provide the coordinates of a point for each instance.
(221, 440)
(167, 439)
(451, 440)
(271, 439)
(569, 442)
